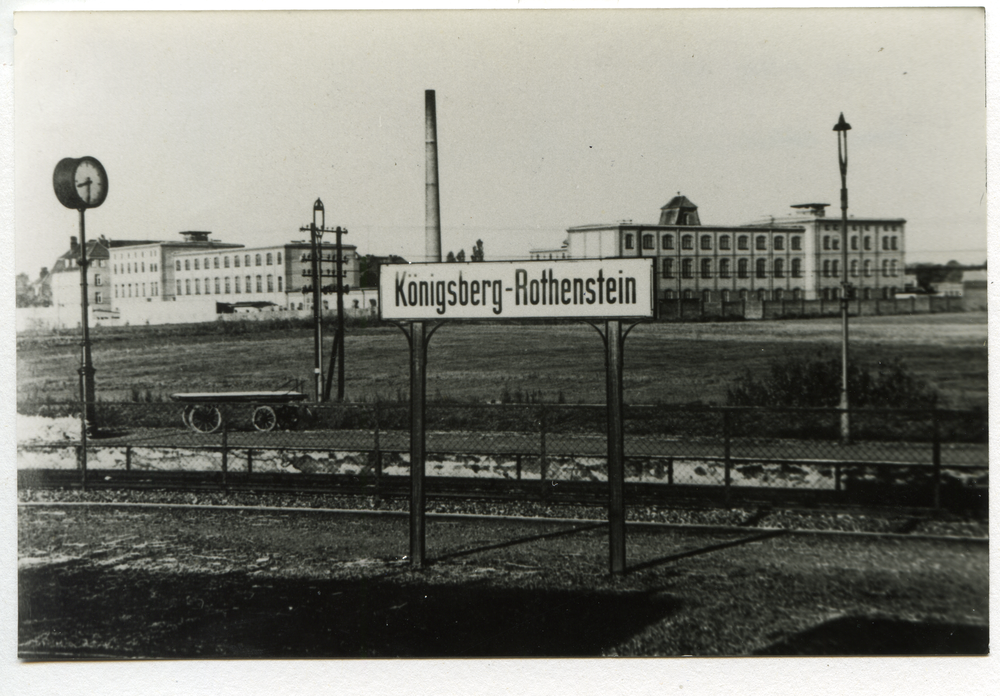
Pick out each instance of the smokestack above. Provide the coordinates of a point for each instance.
(73, 244)
(433, 205)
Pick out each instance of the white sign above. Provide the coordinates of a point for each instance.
(591, 288)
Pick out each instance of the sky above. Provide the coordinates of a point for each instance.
(547, 119)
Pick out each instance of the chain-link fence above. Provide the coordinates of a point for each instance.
(912, 458)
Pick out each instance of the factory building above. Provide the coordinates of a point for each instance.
(797, 257)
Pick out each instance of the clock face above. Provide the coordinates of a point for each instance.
(80, 183)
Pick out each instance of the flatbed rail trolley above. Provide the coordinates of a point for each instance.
(270, 409)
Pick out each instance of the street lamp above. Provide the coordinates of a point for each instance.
(845, 417)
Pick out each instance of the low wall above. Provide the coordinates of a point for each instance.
(752, 309)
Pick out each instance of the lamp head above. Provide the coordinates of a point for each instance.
(319, 216)
(842, 125)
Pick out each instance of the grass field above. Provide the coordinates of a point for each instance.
(664, 362)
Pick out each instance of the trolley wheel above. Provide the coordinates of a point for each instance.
(204, 419)
(264, 418)
(186, 416)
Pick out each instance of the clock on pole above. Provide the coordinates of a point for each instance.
(82, 183)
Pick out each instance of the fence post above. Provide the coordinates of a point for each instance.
(670, 471)
(936, 454)
(836, 476)
(517, 464)
(249, 461)
(225, 450)
(378, 451)
(542, 456)
(726, 436)
(128, 458)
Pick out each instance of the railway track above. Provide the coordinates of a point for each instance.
(869, 497)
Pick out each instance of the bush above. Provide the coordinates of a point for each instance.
(814, 382)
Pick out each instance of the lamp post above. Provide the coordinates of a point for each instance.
(845, 417)
(315, 229)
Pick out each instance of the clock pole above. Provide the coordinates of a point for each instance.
(86, 362)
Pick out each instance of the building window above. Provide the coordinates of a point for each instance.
(761, 242)
(885, 267)
(215, 262)
(725, 296)
(225, 262)
(187, 264)
(835, 243)
(116, 291)
(247, 285)
(260, 287)
(668, 268)
(742, 242)
(885, 244)
(854, 268)
(178, 287)
(647, 241)
(706, 242)
(668, 294)
(279, 284)
(246, 260)
(895, 244)
(216, 286)
(687, 242)
(826, 269)
(724, 242)
(236, 285)
(796, 243)
(835, 269)
(257, 259)
(98, 298)
(868, 243)
(629, 243)
(743, 295)
(868, 269)
(208, 288)
(706, 268)
(706, 295)
(686, 268)
(197, 286)
(667, 241)
(893, 269)
(761, 295)
(779, 268)
(279, 258)
(761, 268)
(742, 267)
(688, 294)
(854, 242)
(225, 284)
(270, 283)
(796, 268)
(236, 262)
(143, 264)
(187, 286)
(779, 243)
(723, 268)
(826, 242)
(196, 264)
(97, 279)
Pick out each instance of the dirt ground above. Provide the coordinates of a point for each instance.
(181, 582)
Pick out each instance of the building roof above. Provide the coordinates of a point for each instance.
(679, 201)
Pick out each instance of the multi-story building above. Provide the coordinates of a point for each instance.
(65, 278)
(279, 275)
(796, 257)
(143, 271)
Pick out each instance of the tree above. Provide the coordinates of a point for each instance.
(451, 257)
(477, 252)
(460, 256)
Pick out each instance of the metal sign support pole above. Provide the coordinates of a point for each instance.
(418, 384)
(616, 445)
(86, 361)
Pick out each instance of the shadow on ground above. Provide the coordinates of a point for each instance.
(858, 635)
(87, 612)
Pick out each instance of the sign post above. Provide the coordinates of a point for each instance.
(588, 289)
